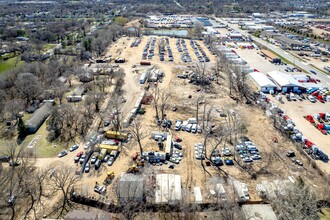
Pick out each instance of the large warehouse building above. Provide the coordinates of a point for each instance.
(263, 82)
(286, 83)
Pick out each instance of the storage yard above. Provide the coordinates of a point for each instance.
(173, 149)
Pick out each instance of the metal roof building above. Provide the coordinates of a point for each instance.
(286, 82)
(168, 188)
(131, 188)
(258, 212)
(38, 118)
(264, 83)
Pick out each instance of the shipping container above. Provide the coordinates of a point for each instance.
(116, 135)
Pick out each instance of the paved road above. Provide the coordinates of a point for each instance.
(325, 79)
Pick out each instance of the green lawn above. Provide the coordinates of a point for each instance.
(9, 64)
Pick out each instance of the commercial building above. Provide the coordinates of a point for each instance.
(264, 83)
(291, 43)
(285, 82)
(273, 58)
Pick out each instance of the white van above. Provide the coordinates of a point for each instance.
(183, 125)
(177, 125)
(194, 128)
(188, 127)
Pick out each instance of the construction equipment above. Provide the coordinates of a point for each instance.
(133, 169)
(140, 163)
(109, 178)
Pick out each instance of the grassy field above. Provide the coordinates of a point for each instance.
(9, 64)
(325, 215)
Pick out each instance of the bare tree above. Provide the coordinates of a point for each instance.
(96, 98)
(297, 202)
(137, 132)
(28, 86)
(155, 93)
(164, 102)
(62, 181)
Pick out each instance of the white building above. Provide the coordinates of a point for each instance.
(264, 83)
(286, 82)
(168, 189)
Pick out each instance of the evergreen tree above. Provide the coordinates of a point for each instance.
(21, 128)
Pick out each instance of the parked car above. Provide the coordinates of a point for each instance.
(79, 154)
(247, 159)
(226, 151)
(106, 158)
(87, 145)
(76, 159)
(97, 164)
(73, 148)
(194, 128)
(177, 145)
(290, 154)
(188, 127)
(177, 125)
(311, 99)
(217, 161)
(87, 168)
(229, 161)
(93, 160)
(62, 153)
(110, 161)
(299, 162)
(82, 158)
(256, 157)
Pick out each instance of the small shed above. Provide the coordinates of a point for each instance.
(263, 82)
(38, 118)
(198, 195)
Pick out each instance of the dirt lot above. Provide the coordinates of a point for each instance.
(273, 165)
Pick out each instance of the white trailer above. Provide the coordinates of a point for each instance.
(143, 77)
(198, 195)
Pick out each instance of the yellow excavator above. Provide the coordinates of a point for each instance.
(109, 178)
(133, 169)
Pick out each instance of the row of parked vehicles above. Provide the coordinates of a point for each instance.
(198, 49)
(288, 125)
(189, 126)
(209, 48)
(136, 42)
(96, 159)
(149, 52)
(163, 44)
(185, 57)
(247, 151)
(217, 158)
